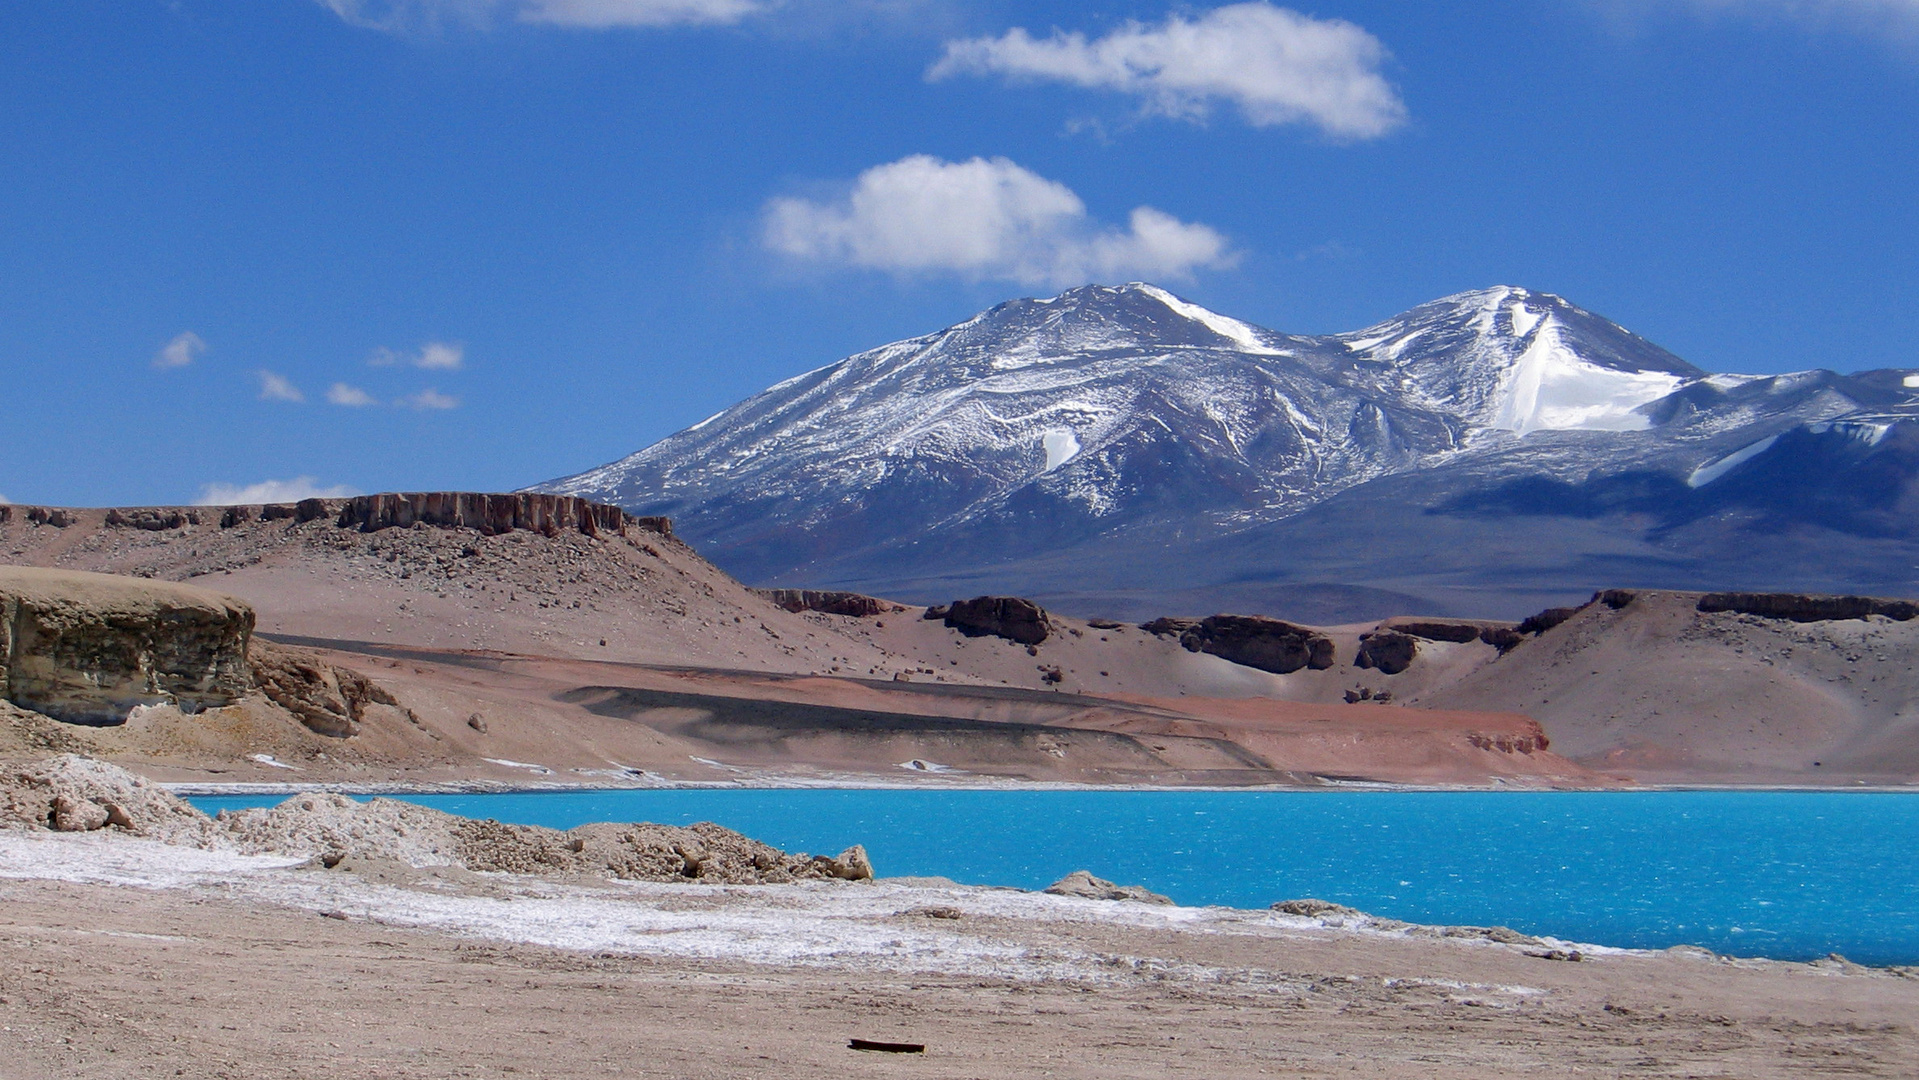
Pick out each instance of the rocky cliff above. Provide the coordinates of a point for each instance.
(87, 648)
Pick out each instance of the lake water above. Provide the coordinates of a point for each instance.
(1789, 875)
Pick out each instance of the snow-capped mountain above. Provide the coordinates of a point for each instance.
(1052, 444)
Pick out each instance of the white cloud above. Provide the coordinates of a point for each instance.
(438, 355)
(985, 218)
(351, 396)
(407, 16)
(184, 349)
(1277, 65)
(602, 14)
(429, 399)
(270, 491)
(278, 388)
(434, 355)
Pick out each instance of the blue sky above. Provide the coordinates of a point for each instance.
(475, 244)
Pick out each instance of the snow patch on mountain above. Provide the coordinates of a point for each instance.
(1243, 335)
(1551, 387)
(1713, 470)
(1061, 447)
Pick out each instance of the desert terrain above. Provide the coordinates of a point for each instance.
(388, 940)
(532, 654)
(341, 646)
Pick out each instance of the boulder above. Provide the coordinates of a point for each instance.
(1390, 651)
(1083, 884)
(830, 602)
(850, 865)
(329, 700)
(70, 813)
(86, 648)
(1252, 640)
(1010, 617)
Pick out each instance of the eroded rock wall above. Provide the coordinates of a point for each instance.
(491, 514)
(87, 648)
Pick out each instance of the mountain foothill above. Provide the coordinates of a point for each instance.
(1108, 537)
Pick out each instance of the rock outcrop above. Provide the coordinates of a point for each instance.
(1011, 617)
(152, 520)
(491, 514)
(1083, 884)
(1501, 635)
(1800, 607)
(87, 648)
(1390, 651)
(1252, 640)
(830, 602)
(329, 700)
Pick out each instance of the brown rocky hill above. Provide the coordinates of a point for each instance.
(549, 632)
(472, 636)
(1718, 687)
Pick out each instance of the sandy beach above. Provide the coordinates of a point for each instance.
(124, 957)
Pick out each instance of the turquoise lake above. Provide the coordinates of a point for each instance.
(1788, 875)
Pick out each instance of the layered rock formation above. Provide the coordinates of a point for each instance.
(329, 700)
(1800, 607)
(829, 601)
(492, 514)
(1252, 640)
(87, 648)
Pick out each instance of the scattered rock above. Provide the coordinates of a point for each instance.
(71, 793)
(936, 912)
(1252, 640)
(1389, 651)
(1083, 884)
(1310, 908)
(1010, 617)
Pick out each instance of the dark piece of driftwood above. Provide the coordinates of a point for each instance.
(887, 1047)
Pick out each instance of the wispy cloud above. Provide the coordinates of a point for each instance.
(276, 387)
(1896, 19)
(184, 349)
(434, 355)
(1277, 65)
(351, 396)
(984, 218)
(270, 491)
(429, 399)
(412, 16)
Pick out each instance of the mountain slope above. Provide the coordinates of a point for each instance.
(1125, 440)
